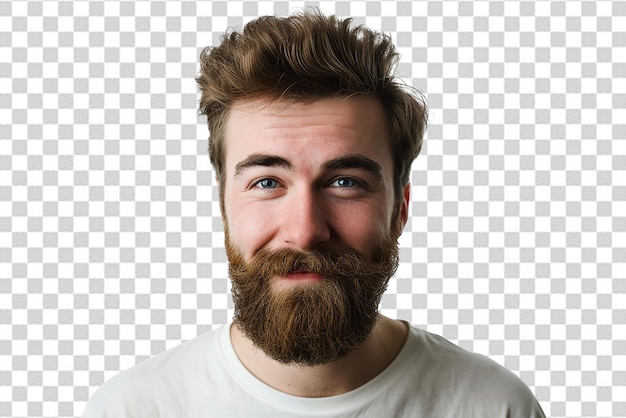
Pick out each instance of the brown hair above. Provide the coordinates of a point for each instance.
(304, 57)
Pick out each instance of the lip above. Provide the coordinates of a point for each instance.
(304, 276)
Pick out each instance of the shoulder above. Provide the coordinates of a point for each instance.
(132, 393)
(473, 383)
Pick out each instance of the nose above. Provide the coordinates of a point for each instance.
(305, 220)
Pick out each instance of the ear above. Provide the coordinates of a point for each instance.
(403, 214)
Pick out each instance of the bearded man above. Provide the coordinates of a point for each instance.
(312, 140)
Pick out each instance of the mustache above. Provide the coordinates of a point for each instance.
(330, 262)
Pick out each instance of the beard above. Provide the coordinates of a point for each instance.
(310, 324)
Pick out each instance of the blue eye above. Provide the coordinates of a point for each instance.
(344, 182)
(266, 184)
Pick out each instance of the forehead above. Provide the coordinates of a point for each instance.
(324, 127)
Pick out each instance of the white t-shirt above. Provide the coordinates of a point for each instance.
(201, 378)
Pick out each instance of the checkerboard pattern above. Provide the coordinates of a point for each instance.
(111, 243)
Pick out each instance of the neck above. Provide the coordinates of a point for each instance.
(354, 370)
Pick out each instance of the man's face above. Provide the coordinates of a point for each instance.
(308, 202)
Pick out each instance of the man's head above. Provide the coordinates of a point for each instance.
(312, 142)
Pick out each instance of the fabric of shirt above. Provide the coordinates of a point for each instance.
(201, 378)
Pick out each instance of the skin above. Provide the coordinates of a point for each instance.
(303, 174)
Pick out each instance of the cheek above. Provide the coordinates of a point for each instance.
(360, 226)
(249, 227)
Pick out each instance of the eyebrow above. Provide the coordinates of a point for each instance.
(354, 161)
(357, 161)
(262, 160)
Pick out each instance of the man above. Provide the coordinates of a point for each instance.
(312, 141)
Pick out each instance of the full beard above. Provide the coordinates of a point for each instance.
(310, 324)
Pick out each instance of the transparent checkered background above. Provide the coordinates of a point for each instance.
(111, 243)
